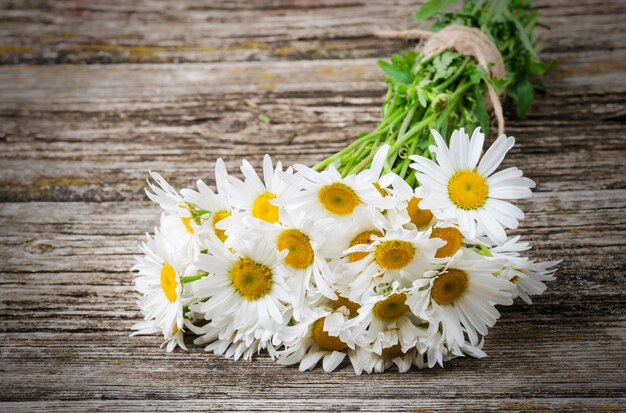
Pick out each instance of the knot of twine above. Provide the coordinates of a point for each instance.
(468, 41)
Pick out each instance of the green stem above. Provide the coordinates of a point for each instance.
(455, 76)
(416, 128)
(353, 159)
(407, 161)
(350, 148)
(359, 167)
(192, 278)
(405, 124)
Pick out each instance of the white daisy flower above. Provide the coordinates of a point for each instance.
(364, 223)
(324, 337)
(385, 320)
(246, 286)
(159, 281)
(327, 195)
(255, 196)
(400, 254)
(461, 297)
(210, 206)
(468, 192)
(177, 221)
(307, 271)
(528, 276)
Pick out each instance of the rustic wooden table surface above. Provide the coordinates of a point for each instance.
(93, 94)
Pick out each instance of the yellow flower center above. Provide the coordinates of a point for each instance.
(468, 190)
(344, 302)
(393, 255)
(393, 351)
(220, 233)
(250, 279)
(187, 224)
(263, 209)
(325, 340)
(168, 282)
(449, 286)
(391, 307)
(186, 221)
(300, 253)
(175, 329)
(419, 217)
(453, 239)
(362, 238)
(338, 198)
(380, 189)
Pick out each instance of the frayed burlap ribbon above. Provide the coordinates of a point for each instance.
(468, 41)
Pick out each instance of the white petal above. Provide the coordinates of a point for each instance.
(310, 360)
(495, 154)
(492, 228)
(475, 147)
(333, 360)
(509, 192)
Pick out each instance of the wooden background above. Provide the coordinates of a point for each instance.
(93, 94)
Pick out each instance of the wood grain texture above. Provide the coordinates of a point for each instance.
(93, 94)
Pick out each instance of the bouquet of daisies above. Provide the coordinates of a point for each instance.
(392, 252)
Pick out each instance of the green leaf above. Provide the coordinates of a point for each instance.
(524, 97)
(523, 36)
(481, 110)
(421, 96)
(538, 68)
(443, 65)
(432, 7)
(395, 72)
(477, 75)
(499, 84)
(443, 128)
(264, 118)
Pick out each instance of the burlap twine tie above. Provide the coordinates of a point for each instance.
(468, 41)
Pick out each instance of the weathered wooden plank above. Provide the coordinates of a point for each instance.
(75, 85)
(246, 405)
(559, 158)
(116, 32)
(91, 133)
(556, 365)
